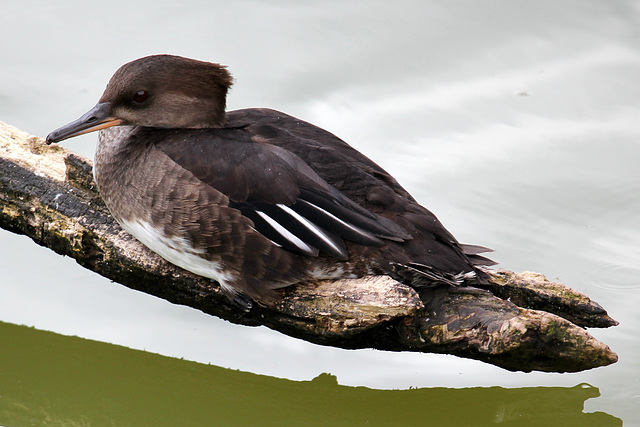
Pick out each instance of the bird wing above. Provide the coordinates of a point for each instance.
(366, 183)
(286, 200)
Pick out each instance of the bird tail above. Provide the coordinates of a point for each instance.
(421, 275)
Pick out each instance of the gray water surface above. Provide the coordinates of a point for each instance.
(517, 123)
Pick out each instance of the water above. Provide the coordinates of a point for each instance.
(516, 123)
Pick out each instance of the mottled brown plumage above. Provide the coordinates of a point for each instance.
(253, 198)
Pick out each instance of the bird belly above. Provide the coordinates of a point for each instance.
(178, 251)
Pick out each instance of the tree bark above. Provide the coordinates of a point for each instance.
(520, 322)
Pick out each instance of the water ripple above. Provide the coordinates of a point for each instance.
(615, 277)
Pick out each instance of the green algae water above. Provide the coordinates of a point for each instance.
(55, 380)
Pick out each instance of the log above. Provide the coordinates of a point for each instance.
(521, 321)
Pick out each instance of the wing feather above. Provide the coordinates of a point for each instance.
(286, 200)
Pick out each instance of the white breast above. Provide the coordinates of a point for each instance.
(178, 251)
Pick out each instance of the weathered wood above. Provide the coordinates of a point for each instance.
(522, 322)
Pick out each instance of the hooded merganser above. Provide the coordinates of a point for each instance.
(254, 199)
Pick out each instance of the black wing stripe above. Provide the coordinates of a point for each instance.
(354, 214)
(330, 243)
(303, 229)
(280, 236)
(319, 222)
(332, 223)
(288, 236)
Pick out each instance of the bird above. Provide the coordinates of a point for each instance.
(254, 199)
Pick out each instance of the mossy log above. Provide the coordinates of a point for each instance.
(520, 322)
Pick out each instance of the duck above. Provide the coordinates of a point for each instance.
(254, 199)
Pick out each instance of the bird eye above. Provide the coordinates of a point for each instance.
(140, 96)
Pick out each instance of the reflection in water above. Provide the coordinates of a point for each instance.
(52, 379)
